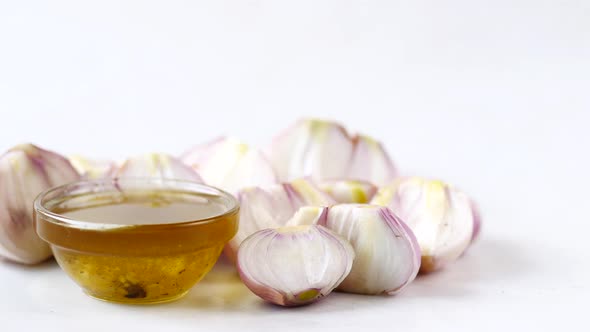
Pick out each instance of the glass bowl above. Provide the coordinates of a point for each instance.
(136, 259)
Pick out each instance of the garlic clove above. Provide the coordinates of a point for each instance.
(387, 253)
(272, 206)
(230, 164)
(292, 266)
(476, 221)
(370, 162)
(312, 148)
(93, 169)
(324, 150)
(308, 215)
(157, 165)
(25, 171)
(348, 191)
(440, 216)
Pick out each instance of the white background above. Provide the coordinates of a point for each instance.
(492, 96)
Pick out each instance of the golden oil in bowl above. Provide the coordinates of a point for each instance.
(136, 240)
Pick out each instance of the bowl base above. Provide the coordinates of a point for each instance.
(137, 301)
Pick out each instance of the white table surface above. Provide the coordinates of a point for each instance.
(490, 95)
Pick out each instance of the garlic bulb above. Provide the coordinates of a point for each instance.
(324, 150)
(348, 191)
(387, 254)
(230, 164)
(157, 165)
(272, 206)
(293, 266)
(441, 217)
(93, 169)
(25, 171)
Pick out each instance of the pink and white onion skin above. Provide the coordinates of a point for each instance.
(230, 164)
(25, 171)
(387, 255)
(323, 150)
(272, 206)
(157, 165)
(441, 217)
(293, 266)
(91, 169)
(349, 191)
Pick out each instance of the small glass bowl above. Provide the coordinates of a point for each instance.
(138, 263)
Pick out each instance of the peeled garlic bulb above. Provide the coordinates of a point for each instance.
(25, 171)
(348, 191)
(441, 217)
(230, 164)
(93, 169)
(157, 165)
(272, 206)
(324, 150)
(387, 254)
(293, 266)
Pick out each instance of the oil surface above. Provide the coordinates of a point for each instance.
(141, 208)
(150, 259)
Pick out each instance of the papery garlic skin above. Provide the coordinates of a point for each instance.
(323, 150)
(440, 216)
(349, 191)
(157, 165)
(272, 206)
(387, 253)
(93, 169)
(293, 266)
(25, 171)
(230, 164)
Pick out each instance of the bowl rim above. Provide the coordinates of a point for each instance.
(115, 183)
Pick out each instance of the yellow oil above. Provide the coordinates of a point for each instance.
(142, 246)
